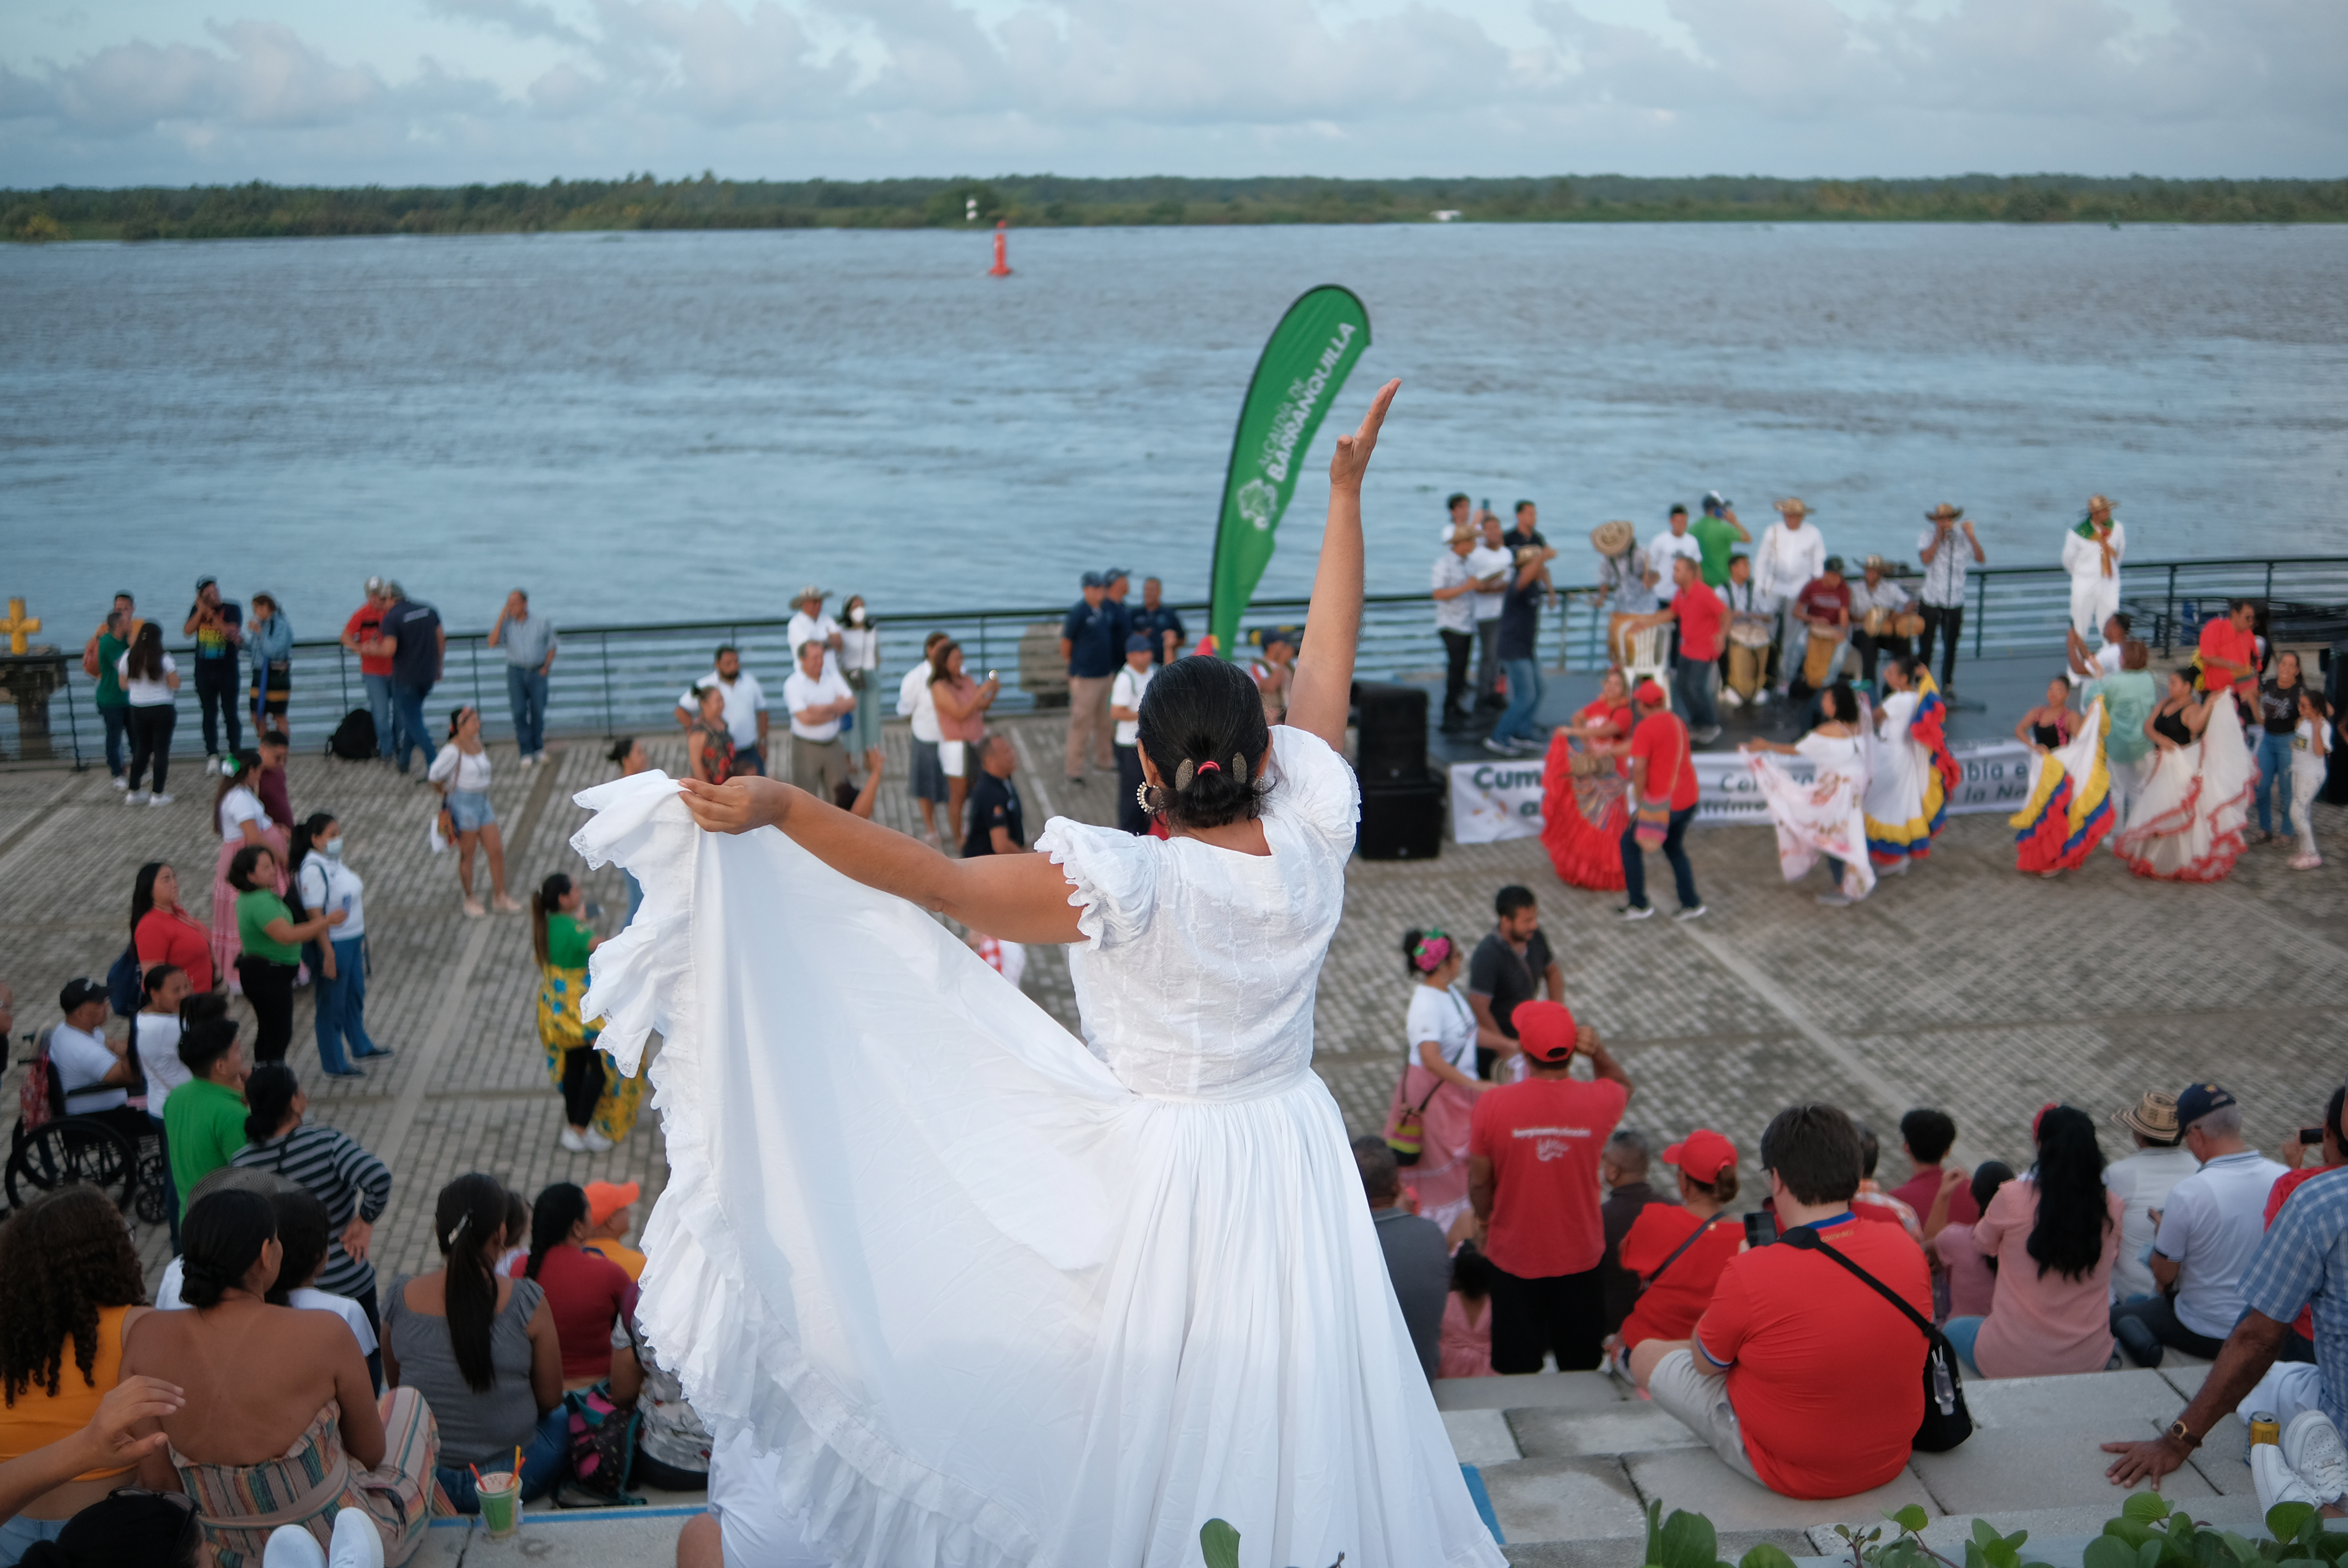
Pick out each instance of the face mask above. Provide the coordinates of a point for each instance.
(856, 616)
(334, 848)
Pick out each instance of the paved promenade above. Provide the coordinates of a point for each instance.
(1963, 985)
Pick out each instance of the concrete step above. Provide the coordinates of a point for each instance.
(1573, 1459)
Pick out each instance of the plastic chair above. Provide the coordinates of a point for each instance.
(1646, 659)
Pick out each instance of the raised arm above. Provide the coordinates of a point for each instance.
(1020, 898)
(1322, 690)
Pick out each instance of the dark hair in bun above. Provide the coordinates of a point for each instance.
(222, 1240)
(1201, 722)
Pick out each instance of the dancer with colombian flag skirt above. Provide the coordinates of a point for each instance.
(1911, 774)
(2070, 808)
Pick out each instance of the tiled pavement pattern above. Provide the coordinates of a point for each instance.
(1963, 985)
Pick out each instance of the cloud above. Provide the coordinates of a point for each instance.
(878, 87)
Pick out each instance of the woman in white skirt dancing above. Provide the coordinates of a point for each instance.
(992, 1295)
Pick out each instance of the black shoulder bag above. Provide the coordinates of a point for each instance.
(1946, 1421)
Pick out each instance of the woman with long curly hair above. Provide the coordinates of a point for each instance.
(2055, 1233)
(70, 1290)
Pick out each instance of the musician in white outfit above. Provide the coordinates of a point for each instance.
(2091, 554)
(1792, 556)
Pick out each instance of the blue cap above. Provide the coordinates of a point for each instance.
(2197, 1101)
(1093, 579)
(1136, 643)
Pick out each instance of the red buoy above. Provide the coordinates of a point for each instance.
(1002, 268)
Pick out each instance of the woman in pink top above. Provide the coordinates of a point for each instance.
(1467, 1337)
(2055, 1235)
(1971, 1281)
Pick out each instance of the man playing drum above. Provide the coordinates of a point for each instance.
(1882, 620)
(1791, 556)
(1626, 583)
(1752, 633)
(1823, 609)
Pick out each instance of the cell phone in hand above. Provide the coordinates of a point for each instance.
(1760, 1228)
(2309, 1137)
(592, 910)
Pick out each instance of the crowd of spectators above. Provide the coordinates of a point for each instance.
(1802, 1373)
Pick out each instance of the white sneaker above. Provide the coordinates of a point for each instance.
(136, 797)
(120, 782)
(2312, 1447)
(572, 1140)
(2275, 1480)
(1761, 698)
(594, 1143)
(1729, 699)
(159, 800)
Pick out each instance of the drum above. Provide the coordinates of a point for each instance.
(1749, 631)
(1744, 663)
(1820, 659)
(1618, 639)
(1879, 622)
(1908, 623)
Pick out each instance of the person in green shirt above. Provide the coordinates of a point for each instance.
(562, 943)
(271, 940)
(203, 1118)
(2129, 695)
(1717, 533)
(113, 701)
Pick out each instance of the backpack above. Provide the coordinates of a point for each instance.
(354, 739)
(603, 1454)
(40, 1099)
(124, 987)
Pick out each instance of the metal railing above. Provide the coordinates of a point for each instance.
(618, 679)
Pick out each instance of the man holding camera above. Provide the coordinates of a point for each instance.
(1800, 1375)
(218, 626)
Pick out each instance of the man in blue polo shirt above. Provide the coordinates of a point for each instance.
(412, 634)
(1092, 639)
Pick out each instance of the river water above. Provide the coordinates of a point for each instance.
(682, 427)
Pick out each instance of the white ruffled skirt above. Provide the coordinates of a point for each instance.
(988, 1306)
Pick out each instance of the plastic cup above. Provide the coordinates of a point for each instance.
(500, 1495)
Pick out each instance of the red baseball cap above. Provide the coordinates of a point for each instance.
(1545, 1030)
(1702, 1156)
(1649, 694)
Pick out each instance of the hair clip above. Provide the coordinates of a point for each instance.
(1184, 774)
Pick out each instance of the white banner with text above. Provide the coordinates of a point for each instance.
(1497, 800)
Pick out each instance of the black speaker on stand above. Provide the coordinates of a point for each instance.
(1402, 801)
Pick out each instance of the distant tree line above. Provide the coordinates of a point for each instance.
(640, 202)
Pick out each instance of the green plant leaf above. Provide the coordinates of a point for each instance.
(1654, 1531)
(2002, 1556)
(1985, 1535)
(2241, 1548)
(1687, 1541)
(2148, 1555)
(2144, 1505)
(1219, 1544)
(1910, 1517)
(2285, 1520)
(1766, 1556)
(2108, 1551)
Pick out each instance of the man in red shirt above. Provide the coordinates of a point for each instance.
(1663, 776)
(1800, 1375)
(1824, 606)
(1695, 667)
(2229, 651)
(1532, 1178)
(361, 634)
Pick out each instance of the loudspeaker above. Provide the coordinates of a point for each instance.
(1391, 733)
(1403, 820)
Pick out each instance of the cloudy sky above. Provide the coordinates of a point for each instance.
(443, 91)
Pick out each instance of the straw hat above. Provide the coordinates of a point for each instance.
(1794, 505)
(1612, 538)
(1944, 513)
(1874, 563)
(2154, 1114)
(2095, 501)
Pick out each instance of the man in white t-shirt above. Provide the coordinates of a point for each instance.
(2106, 660)
(809, 623)
(1125, 708)
(2142, 1182)
(818, 699)
(1790, 557)
(94, 1072)
(2210, 1227)
(1674, 543)
(1490, 560)
(746, 709)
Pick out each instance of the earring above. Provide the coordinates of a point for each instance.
(1146, 796)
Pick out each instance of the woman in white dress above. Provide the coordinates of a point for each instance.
(2187, 824)
(995, 1295)
(1825, 817)
(1908, 770)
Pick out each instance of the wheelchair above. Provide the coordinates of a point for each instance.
(93, 1150)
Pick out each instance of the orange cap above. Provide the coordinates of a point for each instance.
(605, 1199)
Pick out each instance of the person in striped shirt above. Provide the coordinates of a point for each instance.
(354, 1185)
